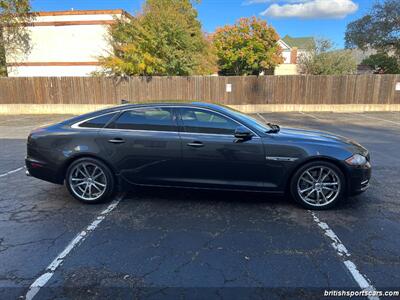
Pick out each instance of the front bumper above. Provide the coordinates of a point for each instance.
(359, 179)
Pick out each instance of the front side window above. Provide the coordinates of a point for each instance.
(98, 122)
(146, 118)
(203, 121)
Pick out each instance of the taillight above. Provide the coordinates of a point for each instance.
(36, 165)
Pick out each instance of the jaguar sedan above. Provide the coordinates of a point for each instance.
(195, 145)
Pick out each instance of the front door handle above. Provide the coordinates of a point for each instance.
(116, 141)
(196, 144)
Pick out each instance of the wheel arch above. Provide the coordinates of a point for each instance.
(86, 155)
(333, 161)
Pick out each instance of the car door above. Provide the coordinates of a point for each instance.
(144, 145)
(213, 157)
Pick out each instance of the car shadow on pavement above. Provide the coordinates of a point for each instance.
(204, 196)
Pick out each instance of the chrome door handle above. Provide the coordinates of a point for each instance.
(196, 144)
(116, 141)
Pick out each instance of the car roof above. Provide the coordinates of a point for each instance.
(136, 105)
(188, 104)
(211, 106)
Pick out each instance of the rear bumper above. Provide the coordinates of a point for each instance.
(41, 170)
(359, 179)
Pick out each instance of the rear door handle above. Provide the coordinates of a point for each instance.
(116, 141)
(196, 144)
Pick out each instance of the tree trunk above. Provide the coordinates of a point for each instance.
(3, 64)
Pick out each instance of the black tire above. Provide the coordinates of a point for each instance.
(315, 167)
(107, 179)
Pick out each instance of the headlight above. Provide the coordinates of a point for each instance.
(356, 160)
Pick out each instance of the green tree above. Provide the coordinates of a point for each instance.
(322, 59)
(382, 63)
(247, 47)
(14, 38)
(379, 29)
(164, 39)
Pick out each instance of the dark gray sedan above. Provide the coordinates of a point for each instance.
(195, 145)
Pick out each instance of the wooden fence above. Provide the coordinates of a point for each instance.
(298, 90)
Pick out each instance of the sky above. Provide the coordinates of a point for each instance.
(297, 18)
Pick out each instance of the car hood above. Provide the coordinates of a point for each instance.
(320, 137)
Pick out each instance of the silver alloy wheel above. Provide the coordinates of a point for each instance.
(319, 186)
(87, 181)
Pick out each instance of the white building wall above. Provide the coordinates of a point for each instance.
(285, 51)
(286, 69)
(73, 43)
(51, 71)
(286, 56)
(55, 45)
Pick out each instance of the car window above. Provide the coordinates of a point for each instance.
(203, 121)
(98, 122)
(146, 118)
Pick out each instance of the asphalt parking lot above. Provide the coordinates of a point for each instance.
(183, 244)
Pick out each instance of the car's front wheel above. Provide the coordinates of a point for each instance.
(318, 185)
(89, 180)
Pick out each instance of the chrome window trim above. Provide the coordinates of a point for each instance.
(76, 125)
(215, 134)
(163, 131)
(221, 114)
(139, 130)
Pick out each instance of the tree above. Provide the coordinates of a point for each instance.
(379, 29)
(322, 59)
(14, 38)
(247, 47)
(3, 65)
(382, 63)
(164, 39)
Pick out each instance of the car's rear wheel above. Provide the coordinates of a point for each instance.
(89, 180)
(318, 185)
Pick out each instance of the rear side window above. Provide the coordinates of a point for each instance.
(146, 118)
(98, 122)
(202, 121)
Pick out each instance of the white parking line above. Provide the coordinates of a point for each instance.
(342, 251)
(309, 115)
(14, 119)
(11, 172)
(80, 238)
(375, 118)
(261, 116)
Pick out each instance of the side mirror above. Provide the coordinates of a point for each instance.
(243, 134)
